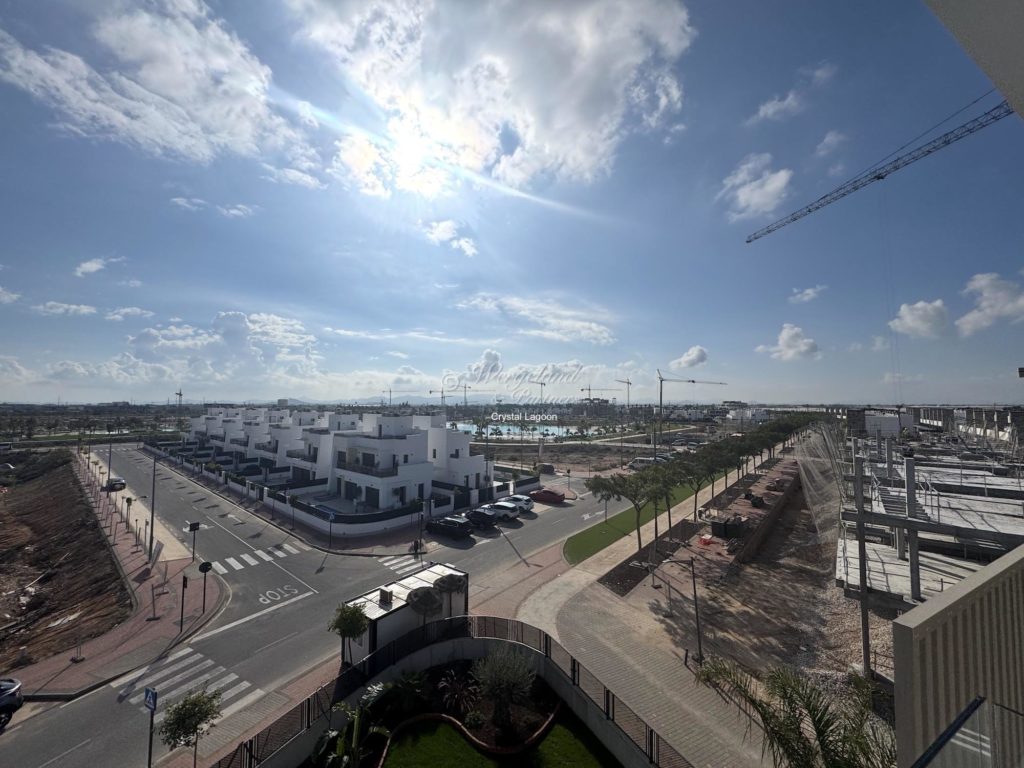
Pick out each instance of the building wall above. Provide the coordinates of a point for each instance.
(966, 642)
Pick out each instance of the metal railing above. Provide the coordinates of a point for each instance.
(362, 469)
(306, 713)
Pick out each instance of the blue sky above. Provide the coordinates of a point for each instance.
(324, 200)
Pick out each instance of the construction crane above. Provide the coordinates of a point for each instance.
(661, 389)
(398, 392)
(541, 384)
(465, 397)
(178, 395)
(440, 392)
(879, 172)
(590, 390)
(628, 384)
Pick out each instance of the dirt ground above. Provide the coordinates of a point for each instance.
(584, 459)
(784, 608)
(58, 581)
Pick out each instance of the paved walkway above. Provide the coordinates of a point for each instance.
(623, 642)
(156, 590)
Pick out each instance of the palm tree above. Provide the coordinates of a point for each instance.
(805, 725)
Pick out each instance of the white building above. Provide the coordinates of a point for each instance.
(368, 461)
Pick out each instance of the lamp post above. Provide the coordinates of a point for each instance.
(696, 605)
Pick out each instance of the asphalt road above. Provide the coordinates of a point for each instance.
(282, 594)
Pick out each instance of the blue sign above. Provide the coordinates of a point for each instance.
(151, 699)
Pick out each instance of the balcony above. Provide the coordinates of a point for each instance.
(270, 446)
(242, 441)
(298, 453)
(364, 470)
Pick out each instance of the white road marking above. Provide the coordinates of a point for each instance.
(250, 559)
(219, 568)
(149, 681)
(234, 563)
(290, 548)
(264, 555)
(241, 703)
(194, 683)
(68, 752)
(136, 674)
(256, 615)
(176, 679)
(277, 551)
(407, 568)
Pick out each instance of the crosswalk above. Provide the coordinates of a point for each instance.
(404, 564)
(180, 673)
(258, 556)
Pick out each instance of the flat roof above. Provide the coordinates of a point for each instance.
(400, 589)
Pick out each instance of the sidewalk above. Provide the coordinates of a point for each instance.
(156, 590)
(388, 544)
(625, 644)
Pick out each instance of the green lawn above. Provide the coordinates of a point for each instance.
(595, 538)
(437, 745)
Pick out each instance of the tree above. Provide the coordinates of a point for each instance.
(805, 725)
(448, 585)
(458, 692)
(425, 601)
(349, 621)
(505, 678)
(188, 720)
(635, 488)
(347, 748)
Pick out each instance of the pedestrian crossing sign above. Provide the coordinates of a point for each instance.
(151, 699)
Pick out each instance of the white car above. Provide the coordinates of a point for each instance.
(525, 503)
(505, 510)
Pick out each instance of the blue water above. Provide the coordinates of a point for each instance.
(552, 430)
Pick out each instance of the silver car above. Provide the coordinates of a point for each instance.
(505, 510)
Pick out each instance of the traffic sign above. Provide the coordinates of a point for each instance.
(151, 699)
(205, 567)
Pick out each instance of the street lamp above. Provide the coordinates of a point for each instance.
(152, 510)
(696, 605)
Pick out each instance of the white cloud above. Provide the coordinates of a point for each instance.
(189, 203)
(447, 231)
(829, 144)
(792, 345)
(176, 83)
(694, 356)
(995, 299)
(131, 283)
(802, 296)
(823, 73)
(292, 176)
(855, 347)
(237, 211)
(474, 90)
(94, 265)
(57, 308)
(923, 320)
(8, 297)
(777, 109)
(415, 335)
(546, 319)
(754, 189)
(836, 169)
(307, 114)
(120, 314)
(879, 344)
(399, 355)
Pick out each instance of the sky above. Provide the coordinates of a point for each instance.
(324, 200)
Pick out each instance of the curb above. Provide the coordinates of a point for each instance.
(291, 532)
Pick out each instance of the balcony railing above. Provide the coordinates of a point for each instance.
(269, 447)
(239, 441)
(365, 470)
(298, 453)
(219, 436)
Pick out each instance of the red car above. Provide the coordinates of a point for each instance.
(547, 496)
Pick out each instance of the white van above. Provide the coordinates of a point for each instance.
(642, 463)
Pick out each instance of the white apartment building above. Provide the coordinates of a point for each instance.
(375, 461)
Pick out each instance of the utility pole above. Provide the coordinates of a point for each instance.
(152, 510)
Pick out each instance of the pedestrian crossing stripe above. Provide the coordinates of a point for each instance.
(402, 564)
(179, 673)
(275, 550)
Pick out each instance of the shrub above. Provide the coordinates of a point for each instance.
(473, 720)
(505, 678)
(458, 692)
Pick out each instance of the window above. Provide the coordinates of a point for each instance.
(435, 454)
(405, 458)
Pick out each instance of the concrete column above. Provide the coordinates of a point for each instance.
(878, 444)
(888, 457)
(910, 485)
(915, 567)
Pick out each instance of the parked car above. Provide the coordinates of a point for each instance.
(116, 484)
(456, 526)
(11, 699)
(525, 503)
(642, 462)
(547, 496)
(505, 510)
(482, 518)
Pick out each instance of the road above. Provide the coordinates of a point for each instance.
(281, 595)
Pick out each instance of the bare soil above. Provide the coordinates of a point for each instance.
(58, 580)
